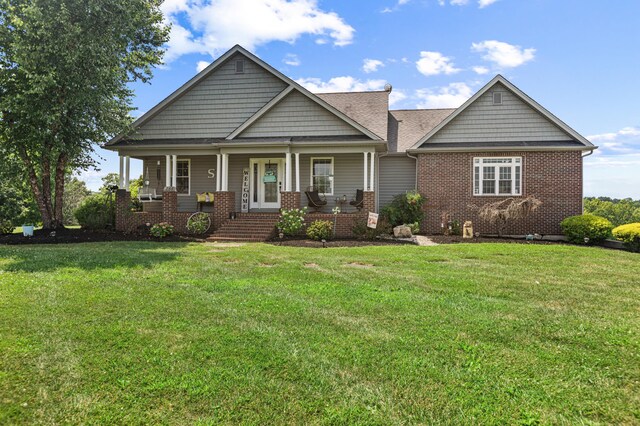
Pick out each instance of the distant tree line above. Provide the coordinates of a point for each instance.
(618, 211)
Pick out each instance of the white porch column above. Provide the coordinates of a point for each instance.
(297, 172)
(287, 162)
(365, 186)
(121, 175)
(167, 171)
(218, 172)
(371, 171)
(225, 172)
(127, 169)
(174, 177)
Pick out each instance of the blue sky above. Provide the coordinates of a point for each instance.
(579, 59)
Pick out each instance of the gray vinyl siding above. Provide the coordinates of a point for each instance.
(513, 121)
(199, 183)
(217, 105)
(297, 115)
(397, 175)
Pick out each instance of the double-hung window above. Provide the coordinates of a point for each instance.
(183, 177)
(497, 176)
(322, 175)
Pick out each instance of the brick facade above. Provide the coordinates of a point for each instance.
(555, 178)
(128, 221)
(344, 221)
(369, 201)
(225, 204)
(289, 200)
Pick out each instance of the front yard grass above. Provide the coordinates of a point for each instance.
(175, 333)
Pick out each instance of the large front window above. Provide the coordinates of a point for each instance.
(182, 177)
(322, 175)
(497, 176)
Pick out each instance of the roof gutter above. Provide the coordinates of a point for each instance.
(500, 149)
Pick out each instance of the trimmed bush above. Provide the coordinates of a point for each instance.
(320, 230)
(96, 212)
(162, 230)
(6, 227)
(291, 221)
(629, 234)
(586, 226)
(404, 209)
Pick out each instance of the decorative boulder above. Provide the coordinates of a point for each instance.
(402, 231)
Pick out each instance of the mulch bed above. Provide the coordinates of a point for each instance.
(63, 236)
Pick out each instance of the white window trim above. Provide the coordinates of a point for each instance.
(331, 173)
(497, 166)
(188, 160)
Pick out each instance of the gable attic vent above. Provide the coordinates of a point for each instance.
(239, 66)
(497, 98)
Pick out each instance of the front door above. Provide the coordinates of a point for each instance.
(267, 177)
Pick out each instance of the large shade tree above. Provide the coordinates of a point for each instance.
(65, 69)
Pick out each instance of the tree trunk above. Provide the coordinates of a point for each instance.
(59, 189)
(45, 211)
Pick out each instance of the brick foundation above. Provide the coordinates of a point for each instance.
(225, 203)
(555, 178)
(289, 200)
(369, 201)
(344, 221)
(128, 221)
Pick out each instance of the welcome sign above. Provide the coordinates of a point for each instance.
(244, 200)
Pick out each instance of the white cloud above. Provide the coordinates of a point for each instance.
(459, 2)
(202, 65)
(624, 141)
(485, 3)
(396, 7)
(396, 96)
(434, 63)
(480, 70)
(210, 26)
(340, 84)
(371, 65)
(503, 54)
(451, 96)
(291, 59)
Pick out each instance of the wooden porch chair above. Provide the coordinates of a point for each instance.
(358, 203)
(315, 201)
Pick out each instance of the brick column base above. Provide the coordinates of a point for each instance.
(369, 203)
(123, 200)
(169, 206)
(225, 203)
(289, 200)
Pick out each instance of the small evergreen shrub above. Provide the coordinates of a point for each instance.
(629, 234)
(586, 226)
(162, 230)
(320, 230)
(415, 227)
(291, 221)
(404, 209)
(362, 232)
(95, 212)
(6, 227)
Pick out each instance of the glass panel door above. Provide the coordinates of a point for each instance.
(270, 181)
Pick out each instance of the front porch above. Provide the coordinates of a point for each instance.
(247, 183)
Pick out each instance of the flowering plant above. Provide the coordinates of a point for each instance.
(162, 230)
(291, 221)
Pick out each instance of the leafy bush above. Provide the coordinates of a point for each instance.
(291, 221)
(320, 230)
(629, 234)
(594, 228)
(96, 212)
(456, 228)
(199, 223)
(404, 209)
(362, 232)
(6, 227)
(162, 230)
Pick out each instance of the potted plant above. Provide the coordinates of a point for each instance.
(27, 230)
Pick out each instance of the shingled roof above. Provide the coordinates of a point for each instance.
(370, 109)
(408, 126)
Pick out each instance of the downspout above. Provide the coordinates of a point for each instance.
(415, 183)
(586, 155)
(378, 179)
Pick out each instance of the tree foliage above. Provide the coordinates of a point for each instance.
(619, 212)
(65, 66)
(75, 191)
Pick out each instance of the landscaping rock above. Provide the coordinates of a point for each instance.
(402, 231)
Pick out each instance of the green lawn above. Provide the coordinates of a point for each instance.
(147, 333)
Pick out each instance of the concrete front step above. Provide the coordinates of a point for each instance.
(247, 227)
(239, 239)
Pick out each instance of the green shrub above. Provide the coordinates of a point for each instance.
(586, 229)
(162, 230)
(6, 227)
(362, 232)
(96, 212)
(404, 208)
(415, 227)
(291, 221)
(320, 230)
(629, 234)
(199, 223)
